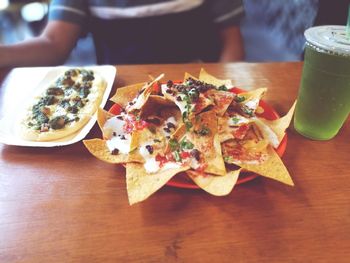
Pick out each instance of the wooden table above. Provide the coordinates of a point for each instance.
(64, 205)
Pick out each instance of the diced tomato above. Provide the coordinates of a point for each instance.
(156, 88)
(131, 124)
(241, 131)
(128, 126)
(140, 125)
(185, 155)
(170, 157)
(116, 109)
(161, 159)
(235, 90)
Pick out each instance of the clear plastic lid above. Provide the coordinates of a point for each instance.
(332, 39)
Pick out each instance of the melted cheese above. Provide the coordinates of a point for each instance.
(115, 125)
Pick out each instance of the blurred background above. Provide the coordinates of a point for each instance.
(272, 29)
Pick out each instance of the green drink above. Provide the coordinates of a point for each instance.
(324, 96)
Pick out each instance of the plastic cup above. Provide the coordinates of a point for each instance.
(324, 96)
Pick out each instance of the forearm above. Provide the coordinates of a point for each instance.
(51, 48)
(39, 51)
(233, 48)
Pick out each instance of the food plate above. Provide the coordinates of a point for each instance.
(183, 181)
(35, 79)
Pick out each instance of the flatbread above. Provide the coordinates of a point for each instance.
(63, 107)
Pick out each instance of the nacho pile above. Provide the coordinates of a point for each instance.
(200, 126)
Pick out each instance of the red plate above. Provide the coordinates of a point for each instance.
(183, 181)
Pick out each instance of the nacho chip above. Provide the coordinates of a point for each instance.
(213, 184)
(99, 149)
(155, 104)
(140, 100)
(255, 94)
(140, 184)
(204, 138)
(267, 132)
(126, 94)
(280, 125)
(143, 138)
(272, 167)
(221, 99)
(207, 78)
(188, 75)
(191, 108)
(247, 103)
(102, 117)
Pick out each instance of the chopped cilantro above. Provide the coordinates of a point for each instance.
(223, 88)
(227, 159)
(187, 145)
(174, 145)
(188, 125)
(177, 156)
(235, 120)
(239, 98)
(248, 111)
(203, 131)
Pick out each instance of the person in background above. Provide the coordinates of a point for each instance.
(138, 31)
(332, 12)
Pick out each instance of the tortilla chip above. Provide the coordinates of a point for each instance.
(213, 184)
(99, 149)
(222, 99)
(142, 97)
(126, 94)
(143, 137)
(140, 185)
(207, 78)
(171, 112)
(201, 104)
(280, 125)
(188, 75)
(255, 94)
(224, 130)
(272, 168)
(266, 132)
(209, 144)
(102, 117)
(154, 104)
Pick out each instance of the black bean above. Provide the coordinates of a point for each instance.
(170, 125)
(149, 148)
(141, 91)
(196, 154)
(115, 151)
(169, 84)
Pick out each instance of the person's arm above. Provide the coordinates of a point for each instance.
(52, 47)
(232, 41)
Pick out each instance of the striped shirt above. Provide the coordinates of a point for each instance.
(151, 31)
(223, 12)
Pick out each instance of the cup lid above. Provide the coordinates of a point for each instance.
(330, 38)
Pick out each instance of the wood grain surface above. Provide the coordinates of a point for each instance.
(63, 205)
